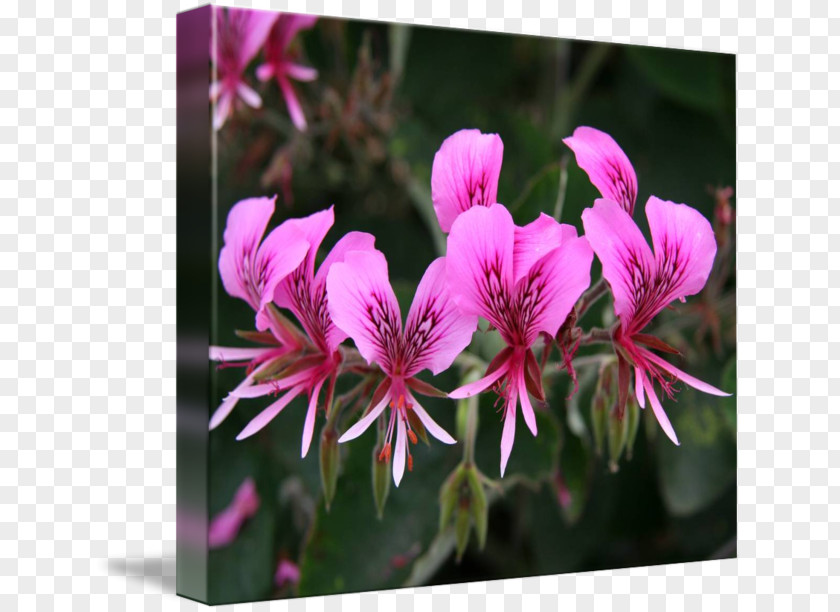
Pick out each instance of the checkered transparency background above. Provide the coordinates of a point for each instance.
(87, 304)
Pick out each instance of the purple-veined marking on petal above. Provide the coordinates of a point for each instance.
(508, 432)
(548, 292)
(229, 353)
(436, 331)
(481, 384)
(465, 173)
(479, 263)
(608, 167)
(686, 378)
(266, 416)
(399, 450)
(431, 426)
(362, 303)
(229, 403)
(309, 423)
(639, 387)
(627, 260)
(659, 412)
(362, 424)
(246, 223)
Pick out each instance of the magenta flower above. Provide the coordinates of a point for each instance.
(287, 573)
(225, 526)
(524, 281)
(606, 164)
(363, 304)
(465, 173)
(643, 282)
(303, 292)
(239, 35)
(281, 65)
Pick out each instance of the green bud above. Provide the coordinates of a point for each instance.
(616, 436)
(599, 421)
(478, 505)
(462, 530)
(633, 417)
(450, 494)
(330, 463)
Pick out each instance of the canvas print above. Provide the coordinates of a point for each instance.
(452, 305)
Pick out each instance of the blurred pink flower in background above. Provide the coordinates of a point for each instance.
(239, 35)
(225, 526)
(280, 64)
(287, 574)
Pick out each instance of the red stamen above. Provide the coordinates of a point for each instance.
(410, 463)
(385, 455)
(412, 436)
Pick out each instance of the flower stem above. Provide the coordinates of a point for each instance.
(596, 336)
(472, 430)
(590, 297)
(561, 190)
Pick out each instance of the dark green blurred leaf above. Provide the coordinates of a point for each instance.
(729, 383)
(576, 462)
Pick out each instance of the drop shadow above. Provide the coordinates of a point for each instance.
(158, 574)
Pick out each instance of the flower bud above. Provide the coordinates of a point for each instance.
(478, 506)
(330, 463)
(633, 417)
(462, 530)
(462, 496)
(616, 435)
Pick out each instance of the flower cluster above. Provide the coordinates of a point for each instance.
(239, 34)
(526, 282)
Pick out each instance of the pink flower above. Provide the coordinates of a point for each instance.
(643, 282)
(239, 34)
(303, 292)
(606, 164)
(524, 281)
(363, 304)
(280, 63)
(225, 526)
(287, 573)
(465, 173)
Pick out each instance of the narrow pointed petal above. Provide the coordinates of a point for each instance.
(626, 258)
(222, 110)
(362, 304)
(684, 247)
(659, 412)
(309, 423)
(640, 388)
(436, 331)
(433, 428)
(399, 451)
(686, 378)
(265, 72)
(301, 73)
(229, 353)
(304, 376)
(465, 173)
(249, 96)
(227, 406)
(266, 416)
(525, 402)
(480, 385)
(479, 262)
(606, 164)
(508, 434)
(551, 287)
(362, 424)
(535, 240)
(292, 103)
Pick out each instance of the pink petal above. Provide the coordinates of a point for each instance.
(230, 401)
(481, 384)
(626, 258)
(683, 240)
(292, 103)
(433, 428)
(639, 387)
(551, 287)
(479, 262)
(287, 27)
(301, 73)
(249, 96)
(508, 434)
(225, 353)
(399, 451)
(658, 411)
(287, 573)
(351, 241)
(465, 173)
(606, 164)
(525, 401)
(265, 417)
(532, 242)
(436, 331)
(304, 376)
(363, 305)
(225, 526)
(222, 110)
(309, 423)
(254, 33)
(686, 378)
(362, 424)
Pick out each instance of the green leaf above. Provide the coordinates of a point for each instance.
(576, 463)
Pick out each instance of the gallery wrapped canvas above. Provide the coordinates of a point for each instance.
(452, 306)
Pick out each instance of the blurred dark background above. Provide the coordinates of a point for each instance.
(385, 99)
